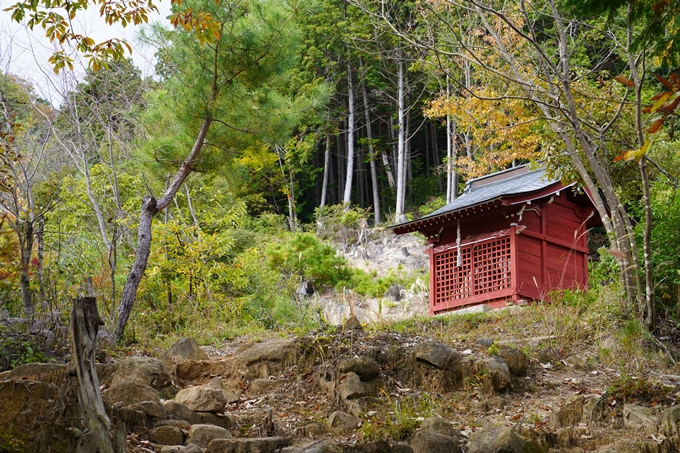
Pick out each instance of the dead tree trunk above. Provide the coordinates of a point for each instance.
(96, 438)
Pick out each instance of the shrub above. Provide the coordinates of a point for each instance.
(304, 256)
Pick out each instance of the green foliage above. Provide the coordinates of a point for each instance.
(371, 285)
(305, 257)
(432, 205)
(398, 418)
(604, 271)
(18, 348)
(340, 223)
(10, 444)
(632, 390)
(665, 245)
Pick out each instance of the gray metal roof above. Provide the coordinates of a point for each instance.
(477, 192)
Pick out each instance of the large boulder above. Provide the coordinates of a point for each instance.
(438, 425)
(351, 387)
(502, 439)
(498, 378)
(167, 435)
(670, 422)
(145, 371)
(218, 384)
(201, 435)
(436, 354)
(424, 442)
(276, 350)
(33, 416)
(365, 367)
(203, 398)
(517, 360)
(184, 349)
(343, 422)
(128, 392)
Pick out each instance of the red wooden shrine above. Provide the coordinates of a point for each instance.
(512, 235)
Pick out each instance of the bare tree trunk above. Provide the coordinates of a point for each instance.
(326, 170)
(401, 147)
(149, 209)
(85, 322)
(372, 157)
(647, 310)
(26, 249)
(347, 197)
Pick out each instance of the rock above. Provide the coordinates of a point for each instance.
(353, 323)
(129, 392)
(145, 371)
(343, 422)
(134, 419)
(498, 378)
(173, 449)
(26, 408)
(577, 362)
(313, 429)
(670, 420)
(351, 387)
(437, 425)
(639, 418)
(355, 407)
(203, 398)
(193, 370)
(211, 418)
(436, 354)
(276, 350)
(365, 367)
(549, 355)
(47, 373)
(181, 424)
(315, 446)
(379, 446)
(178, 411)
(570, 414)
(184, 349)
(516, 359)
(193, 448)
(401, 448)
(167, 435)
(201, 435)
(218, 384)
(501, 439)
(394, 292)
(424, 442)
(249, 445)
(259, 386)
(153, 409)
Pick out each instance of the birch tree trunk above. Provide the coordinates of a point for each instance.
(647, 309)
(347, 197)
(401, 147)
(372, 157)
(326, 171)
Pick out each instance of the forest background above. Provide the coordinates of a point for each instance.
(201, 199)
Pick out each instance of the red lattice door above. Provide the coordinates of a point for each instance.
(483, 272)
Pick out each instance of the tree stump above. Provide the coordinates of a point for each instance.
(96, 438)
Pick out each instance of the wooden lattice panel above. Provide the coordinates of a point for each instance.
(484, 268)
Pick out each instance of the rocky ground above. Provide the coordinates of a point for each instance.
(362, 388)
(353, 391)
